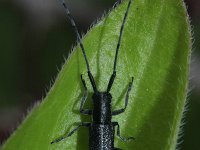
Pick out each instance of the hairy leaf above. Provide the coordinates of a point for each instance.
(155, 49)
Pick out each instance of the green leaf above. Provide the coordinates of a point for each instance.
(155, 50)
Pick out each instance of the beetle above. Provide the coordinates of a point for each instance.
(101, 129)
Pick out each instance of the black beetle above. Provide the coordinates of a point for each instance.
(102, 129)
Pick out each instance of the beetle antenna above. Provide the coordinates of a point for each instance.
(112, 78)
(80, 42)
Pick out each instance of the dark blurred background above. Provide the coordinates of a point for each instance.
(34, 39)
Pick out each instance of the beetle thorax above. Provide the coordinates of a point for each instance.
(102, 107)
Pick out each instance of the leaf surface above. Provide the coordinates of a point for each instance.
(155, 49)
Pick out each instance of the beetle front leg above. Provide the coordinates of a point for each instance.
(119, 111)
(84, 98)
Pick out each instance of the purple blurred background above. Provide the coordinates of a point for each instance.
(34, 39)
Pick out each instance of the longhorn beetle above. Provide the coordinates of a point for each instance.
(101, 129)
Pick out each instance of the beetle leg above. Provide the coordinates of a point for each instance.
(70, 133)
(117, 148)
(119, 111)
(118, 133)
(84, 98)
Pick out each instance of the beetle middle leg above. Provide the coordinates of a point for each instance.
(117, 148)
(84, 98)
(83, 124)
(119, 111)
(119, 135)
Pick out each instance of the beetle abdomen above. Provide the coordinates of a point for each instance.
(101, 137)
